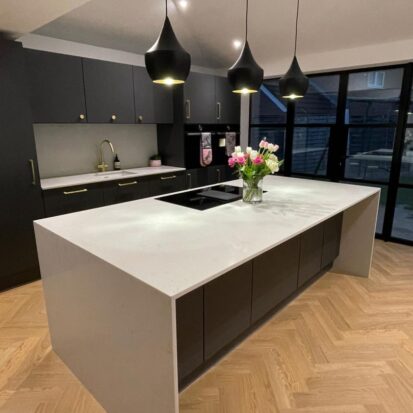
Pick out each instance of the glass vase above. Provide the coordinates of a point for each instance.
(252, 190)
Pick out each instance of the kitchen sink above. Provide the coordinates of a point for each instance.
(114, 174)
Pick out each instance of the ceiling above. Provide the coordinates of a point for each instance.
(207, 27)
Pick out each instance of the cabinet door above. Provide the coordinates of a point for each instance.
(56, 87)
(73, 199)
(332, 238)
(311, 250)
(190, 332)
(124, 191)
(109, 92)
(199, 99)
(275, 277)
(216, 174)
(227, 307)
(21, 200)
(153, 102)
(228, 103)
(196, 178)
(166, 183)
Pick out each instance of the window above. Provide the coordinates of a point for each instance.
(375, 80)
(310, 150)
(273, 134)
(406, 170)
(403, 215)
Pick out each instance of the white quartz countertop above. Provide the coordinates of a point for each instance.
(96, 177)
(175, 249)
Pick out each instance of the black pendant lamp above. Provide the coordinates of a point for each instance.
(245, 76)
(167, 62)
(294, 84)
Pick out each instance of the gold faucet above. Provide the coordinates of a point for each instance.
(102, 166)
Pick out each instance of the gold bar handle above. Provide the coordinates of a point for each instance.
(78, 191)
(31, 162)
(164, 178)
(188, 109)
(127, 183)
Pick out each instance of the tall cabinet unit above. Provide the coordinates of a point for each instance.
(21, 200)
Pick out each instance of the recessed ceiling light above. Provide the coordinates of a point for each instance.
(183, 4)
(237, 43)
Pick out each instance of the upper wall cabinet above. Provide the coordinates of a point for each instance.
(228, 103)
(56, 87)
(199, 99)
(109, 92)
(209, 99)
(153, 102)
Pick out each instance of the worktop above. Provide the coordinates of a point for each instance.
(125, 284)
(99, 177)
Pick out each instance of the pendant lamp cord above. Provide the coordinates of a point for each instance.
(166, 7)
(246, 23)
(296, 28)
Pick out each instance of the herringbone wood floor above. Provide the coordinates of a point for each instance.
(345, 345)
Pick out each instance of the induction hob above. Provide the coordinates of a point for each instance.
(205, 198)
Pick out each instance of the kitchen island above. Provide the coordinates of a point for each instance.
(142, 296)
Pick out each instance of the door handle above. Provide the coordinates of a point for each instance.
(33, 169)
(219, 110)
(78, 191)
(189, 180)
(127, 183)
(164, 178)
(219, 175)
(188, 109)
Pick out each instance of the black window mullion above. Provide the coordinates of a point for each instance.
(289, 136)
(398, 151)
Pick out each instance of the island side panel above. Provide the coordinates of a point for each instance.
(357, 238)
(115, 333)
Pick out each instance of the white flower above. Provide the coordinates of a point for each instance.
(272, 165)
(253, 155)
(273, 157)
(249, 149)
(276, 147)
(270, 147)
(238, 149)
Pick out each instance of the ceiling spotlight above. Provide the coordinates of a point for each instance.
(237, 43)
(183, 4)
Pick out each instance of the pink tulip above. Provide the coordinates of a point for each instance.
(231, 162)
(258, 160)
(241, 160)
(276, 147)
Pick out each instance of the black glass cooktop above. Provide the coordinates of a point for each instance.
(205, 198)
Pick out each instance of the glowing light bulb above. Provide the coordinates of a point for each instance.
(183, 4)
(244, 91)
(169, 81)
(237, 43)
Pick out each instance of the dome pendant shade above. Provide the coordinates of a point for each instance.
(167, 62)
(294, 84)
(245, 76)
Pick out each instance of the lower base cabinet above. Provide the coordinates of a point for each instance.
(275, 277)
(124, 191)
(211, 318)
(227, 308)
(166, 183)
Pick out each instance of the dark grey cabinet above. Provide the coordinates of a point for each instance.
(124, 191)
(166, 183)
(73, 199)
(21, 201)
(217, 174)
(227, 308)
(56, 87)
(228, 103)
(109, 92)
(275, 277)
(190, 332)
(153, 102)
(332, 238)
(311, 250)
(196, 177)
(199, 99)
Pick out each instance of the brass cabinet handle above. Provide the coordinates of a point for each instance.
(163, 178)
(127, 183)
(31, 162)
(113, 117)
(218, 110)
(82, 116)
(189, 180)
(188, 109)
(140, 118)
(78, 191)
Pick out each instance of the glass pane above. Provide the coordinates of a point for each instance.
(267, 106)
(403, 215)
(369, 153)
(373, 97)
(406, 172)
(310, 150)
(273, 134)
(319, 105)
